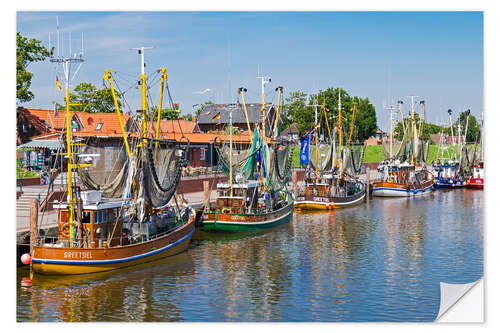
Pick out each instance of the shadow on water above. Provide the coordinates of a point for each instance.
(381, 260)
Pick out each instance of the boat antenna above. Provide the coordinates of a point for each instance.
(144, 107)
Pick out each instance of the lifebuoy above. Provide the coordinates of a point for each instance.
(65, 229)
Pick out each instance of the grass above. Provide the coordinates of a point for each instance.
(21, 173)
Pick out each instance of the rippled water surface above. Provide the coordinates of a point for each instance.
(378, 261)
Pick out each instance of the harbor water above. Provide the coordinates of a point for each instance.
(381, 260)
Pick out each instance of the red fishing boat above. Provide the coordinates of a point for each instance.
(477, 180)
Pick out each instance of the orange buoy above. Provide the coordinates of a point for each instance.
(26, 259)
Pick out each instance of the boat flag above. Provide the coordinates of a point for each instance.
(304, 150)
(217, 116)
(56, 111)
(58, 83)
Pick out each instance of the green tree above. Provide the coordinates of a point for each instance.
(365, 122)
(27, 52)
(295, 110)
(92, 99)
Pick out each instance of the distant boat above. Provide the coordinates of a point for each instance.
(477, 179)
(453, 170)
(255, 195)
(403, 179)
(330, 182)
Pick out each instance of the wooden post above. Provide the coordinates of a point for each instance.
(206, 194)
(367, 184)
(33, 223)
(294, 182)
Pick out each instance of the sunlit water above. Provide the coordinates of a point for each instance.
(378, 261)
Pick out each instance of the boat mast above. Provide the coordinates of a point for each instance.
(240, 91)
(413, 129)
(280, 92)
(66, 62)
(143, 92)
(263, 80)
(328, 129)
(391, 109)
(316, 126)
(452, 139)
(341, 166)
(162, 85)
(107, 76)
(231, 150)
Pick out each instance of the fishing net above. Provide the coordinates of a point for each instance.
(243, 159)
(353, 158)
(280, 163)
(161, 175)
(109, 168)
(423, 151)
(399, 148)
(325, 153)
(468, 158)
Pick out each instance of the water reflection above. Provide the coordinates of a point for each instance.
(379, 261)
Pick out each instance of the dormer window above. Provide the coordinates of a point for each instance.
(99, 126)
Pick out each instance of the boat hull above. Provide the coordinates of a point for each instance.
(66, 261)
(476, 183)
(310, 202)
(229, 222)
(450, 184)
(386, 189)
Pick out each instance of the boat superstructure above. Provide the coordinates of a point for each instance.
(331, 174)
(400, 177)
(121, 215)
(255, 195)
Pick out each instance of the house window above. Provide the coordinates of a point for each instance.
(202, 154)
(99, 126)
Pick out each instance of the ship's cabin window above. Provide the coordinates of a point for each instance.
(86, 217)
(98, 216)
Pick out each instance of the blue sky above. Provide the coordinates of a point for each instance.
(435, 55)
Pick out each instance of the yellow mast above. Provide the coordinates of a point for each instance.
(340, 134)
(400, 104)
(278, 112)
(71, 208)
(352, 124)
(107, 76)
(328, 128)
(240, 91)
(162, 83)
(231, 151)
(316, 142)
(326, 119)
(420, 127)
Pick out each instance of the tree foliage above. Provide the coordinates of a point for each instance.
(427, 128)
(92, 99)
(473, 130)
(295, 111)
(365, 122)
(27, 52)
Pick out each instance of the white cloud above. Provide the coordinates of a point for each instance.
(202, 92)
